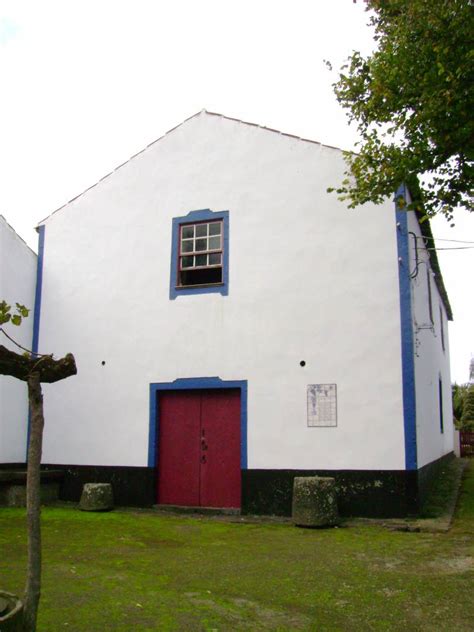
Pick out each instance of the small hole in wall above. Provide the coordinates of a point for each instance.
(302, 363)
(103, 362)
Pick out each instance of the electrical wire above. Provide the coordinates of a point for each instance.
(458, 241)
(454, 248)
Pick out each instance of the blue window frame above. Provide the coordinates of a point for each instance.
(200, 254)
(441, 327)
(440, 404)
(430, 298)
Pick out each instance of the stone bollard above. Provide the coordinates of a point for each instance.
(314, 502)
(96, 497)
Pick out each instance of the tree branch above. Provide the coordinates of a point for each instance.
(49, 370)
(19, 345)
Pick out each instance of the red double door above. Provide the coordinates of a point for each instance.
(199, 448)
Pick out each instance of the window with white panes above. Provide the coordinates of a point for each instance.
(200, 258)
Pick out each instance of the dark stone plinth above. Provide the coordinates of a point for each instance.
(97, 497)
(314, 502)
(13, 487)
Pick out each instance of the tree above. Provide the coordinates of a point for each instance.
(32, 368)
(467, 419)
(459, 392)
(412, 100)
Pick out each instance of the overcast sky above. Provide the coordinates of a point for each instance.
(85, 85)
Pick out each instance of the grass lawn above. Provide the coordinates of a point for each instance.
(135, 571)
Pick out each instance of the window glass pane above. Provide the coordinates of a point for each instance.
(214, 243)
(187, 262)
(201, 260)
(188, 231)
(215, 259)
(200, 276)
(215, 228)
(187, 245)
(201, 244)
(201, 230)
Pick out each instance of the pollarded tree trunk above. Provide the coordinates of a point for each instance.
(34, 370)
(33, 504)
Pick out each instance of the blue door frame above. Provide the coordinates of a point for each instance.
(195, 383)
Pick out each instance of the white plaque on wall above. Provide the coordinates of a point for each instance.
(322, 405)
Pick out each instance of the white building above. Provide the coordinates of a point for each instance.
(235, 325)
(18, 265)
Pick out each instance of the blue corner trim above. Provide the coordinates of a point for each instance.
(36, 314)
(39, 287)
(198, 383)
(198, 216)
(408, 353)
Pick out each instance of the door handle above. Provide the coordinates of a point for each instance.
(203, 444)
(203, 459)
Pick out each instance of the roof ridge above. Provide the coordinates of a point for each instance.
(119, 166)
(276, 131)
(203, 111)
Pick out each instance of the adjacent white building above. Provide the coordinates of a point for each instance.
(18, 264)
(235, 325)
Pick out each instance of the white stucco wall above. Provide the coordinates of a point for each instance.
(309, 280)
(431, 361)
(17, 285)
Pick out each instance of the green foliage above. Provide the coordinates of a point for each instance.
(412, 100)
(467, 418)
(459, 393)
(6, 315)
(462, 413)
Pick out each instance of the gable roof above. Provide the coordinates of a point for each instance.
(18, 236)
(423, 221)
(204, 111)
